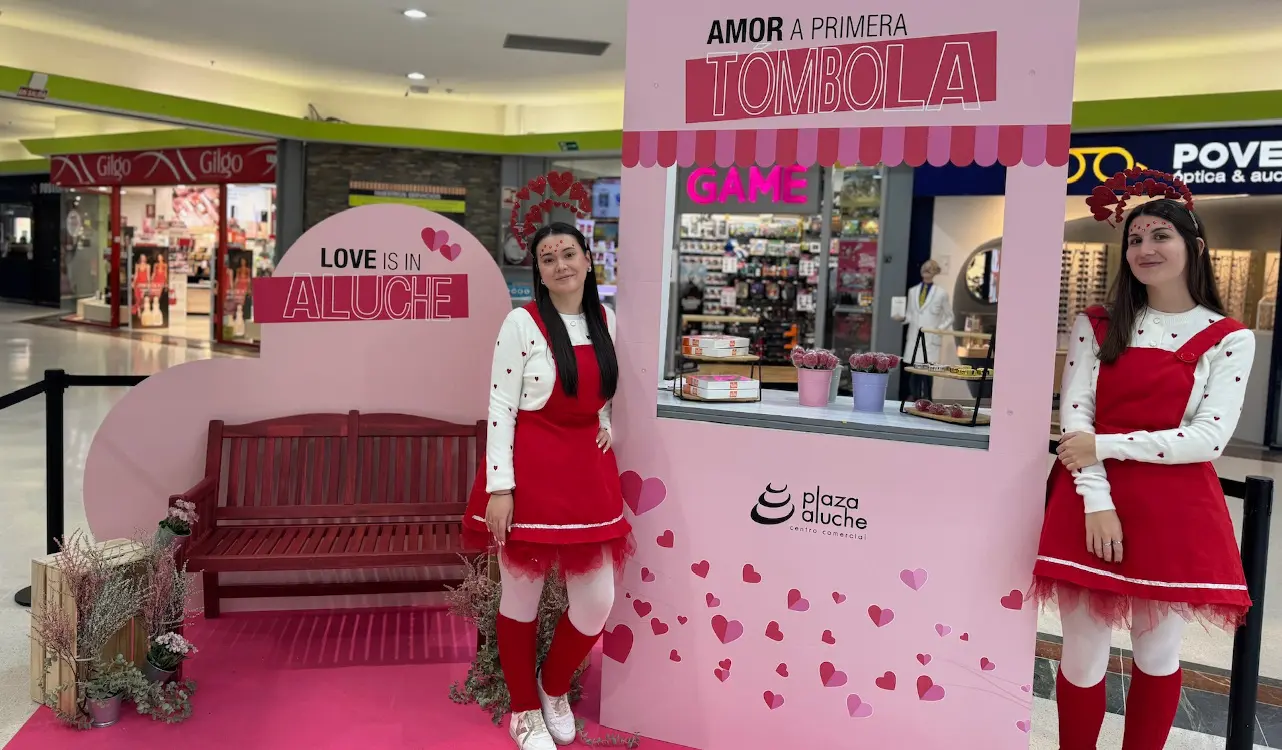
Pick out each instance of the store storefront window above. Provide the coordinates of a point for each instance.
(86, 254)
(853, 263)
(251, 248)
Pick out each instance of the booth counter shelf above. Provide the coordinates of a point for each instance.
(779, 410)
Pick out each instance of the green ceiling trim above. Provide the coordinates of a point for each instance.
(249, 124)
(139, 141)
(25, 166)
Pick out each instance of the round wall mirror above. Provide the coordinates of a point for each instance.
(982, 270)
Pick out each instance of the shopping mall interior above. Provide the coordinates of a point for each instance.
(157, 162)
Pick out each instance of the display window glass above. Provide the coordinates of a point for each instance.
(251, 247)
(601, 178)
(85, 265)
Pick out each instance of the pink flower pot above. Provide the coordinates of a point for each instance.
(813, 387)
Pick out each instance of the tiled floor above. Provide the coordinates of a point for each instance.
(27, 350)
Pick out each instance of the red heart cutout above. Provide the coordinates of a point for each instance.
(682, 619)
(535, 215)
(886, 681)
(674, 656)
(658, 626)
(750, 575)
(617, 644)
(522, 195)
(1014, 600)
(828, 638)
(538, 184)
(560, 182)
(773, 632)
(721, 674)
(666, 539)
(700, 568)
(451, 251)
(578, 192)
(712, 601)
(782, 670)
(725, 664)
(642, 608)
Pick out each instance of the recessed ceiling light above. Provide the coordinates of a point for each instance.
(416, 76)
(416, 14)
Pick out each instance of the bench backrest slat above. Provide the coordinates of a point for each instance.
(352, 465)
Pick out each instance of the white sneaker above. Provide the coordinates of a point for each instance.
(529, 732)
(557, 716)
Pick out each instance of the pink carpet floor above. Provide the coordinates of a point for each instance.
(318, 680)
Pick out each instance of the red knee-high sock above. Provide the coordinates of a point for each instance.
(1151, 705)
(518, 650)
(569, 649)
(1081, 713)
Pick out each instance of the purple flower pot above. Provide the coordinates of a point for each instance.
(870, 390)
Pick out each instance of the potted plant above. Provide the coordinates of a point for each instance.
(176, 527)
(868, 375)
(814, 375)
(108, 688)
(167, 651)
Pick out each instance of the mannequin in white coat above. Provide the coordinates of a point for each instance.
(928, 306)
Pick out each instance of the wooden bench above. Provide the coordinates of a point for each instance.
(332, 492)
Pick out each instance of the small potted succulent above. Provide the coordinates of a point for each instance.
(868, 375)
(815, 369)
(176, 527)
(166, 653)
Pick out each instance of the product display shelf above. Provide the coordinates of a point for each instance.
(752, 361)
(976, 416)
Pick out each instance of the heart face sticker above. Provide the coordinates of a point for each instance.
(773, 700)
(750, 574)
(880, 617)
(858, 708)
(796, 602)
(927, 690)
(700, 568)
(887, 681)
(727, 631)
(913, 579)
(451, 251)
(617, 644)
(773, 632)
(642, 495)
(830, 676)
(1014, 600)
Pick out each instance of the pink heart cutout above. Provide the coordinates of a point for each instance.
(646, 575)
(1026, 688)
(830, 676)
(666, 539)
(700, 568)
(986, 665)
(927, 690)
(451, 251)
(1024, 725)
(728, 631)
(773, 632)
(838, 597)
(924, 659)
(913, 579)
(642, 495)
(942, 629)
(796, 603)
(887, 681)
(772, 700)
(722, 674)
(880, 617)
(857, 707)
(712, 601)
(965, 636)
(434, 239)
(617, 644)
(1014, 600)
(750, 574)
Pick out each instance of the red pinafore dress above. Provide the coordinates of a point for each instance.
(567, 507)
(1179, 552)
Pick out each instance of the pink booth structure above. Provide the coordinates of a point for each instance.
(892, 617)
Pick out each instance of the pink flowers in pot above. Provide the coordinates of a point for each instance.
(814, 359)
(873, 362)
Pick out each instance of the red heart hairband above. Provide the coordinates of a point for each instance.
(1148, 182)
(566, 192)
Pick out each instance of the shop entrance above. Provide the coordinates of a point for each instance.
(174, 259)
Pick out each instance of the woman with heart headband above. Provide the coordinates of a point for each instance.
(548, 492)
(1137, 533)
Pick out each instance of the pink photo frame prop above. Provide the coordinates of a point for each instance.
(901, 625)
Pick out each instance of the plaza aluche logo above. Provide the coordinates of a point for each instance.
(823, 513)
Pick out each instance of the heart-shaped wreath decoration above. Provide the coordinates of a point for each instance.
(535, 201)
(1108, 201)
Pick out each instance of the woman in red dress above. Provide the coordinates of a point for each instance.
(549, 492)
(1137, 533)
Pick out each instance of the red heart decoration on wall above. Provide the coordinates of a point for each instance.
(522, 195)
(538, 184)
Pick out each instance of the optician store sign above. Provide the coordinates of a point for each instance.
(253, 163)
(1213, 162)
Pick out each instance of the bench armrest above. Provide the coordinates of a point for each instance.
(204, 495)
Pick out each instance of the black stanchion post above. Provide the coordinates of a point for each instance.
(55, 383)
(1257, 510)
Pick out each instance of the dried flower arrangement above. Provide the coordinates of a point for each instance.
(476, 600)
(873, 362)
(814, 359)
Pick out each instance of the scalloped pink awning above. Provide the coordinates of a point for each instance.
(938, 145)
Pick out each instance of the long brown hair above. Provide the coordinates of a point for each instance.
(1128, 296)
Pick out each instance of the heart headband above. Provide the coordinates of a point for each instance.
(534, 203)
(1149, 182)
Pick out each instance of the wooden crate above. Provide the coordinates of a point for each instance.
(46, 590)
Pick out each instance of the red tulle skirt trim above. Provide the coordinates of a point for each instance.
(1119, 611)
(535, 560)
